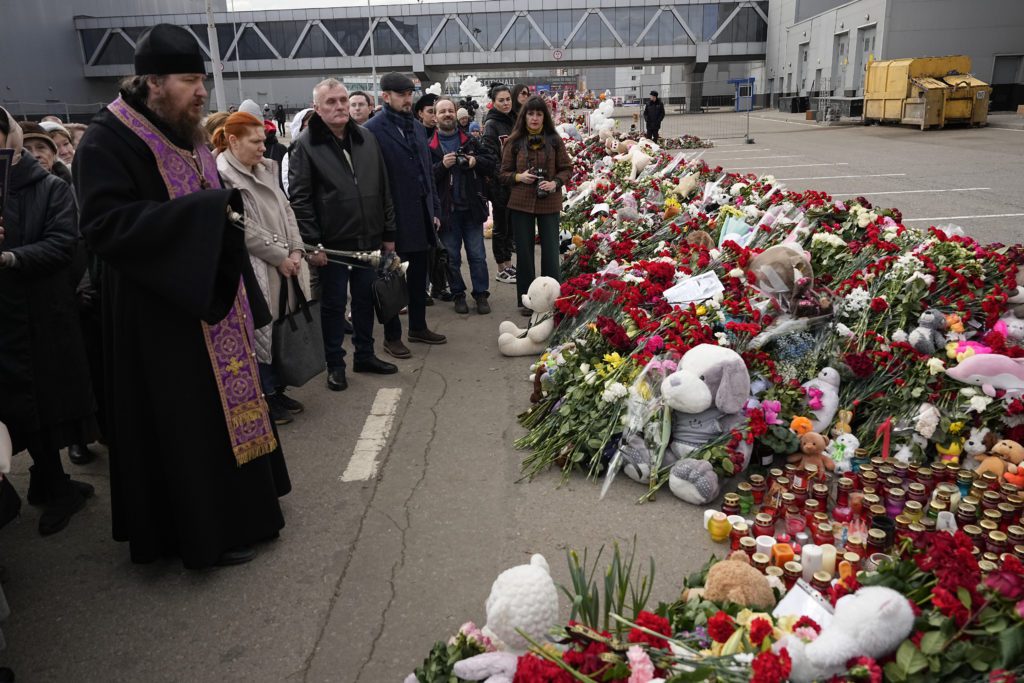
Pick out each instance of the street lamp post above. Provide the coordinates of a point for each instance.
(373, 58)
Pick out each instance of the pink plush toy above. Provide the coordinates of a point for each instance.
(992, 372)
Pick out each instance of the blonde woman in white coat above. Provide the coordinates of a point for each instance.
(240, 161)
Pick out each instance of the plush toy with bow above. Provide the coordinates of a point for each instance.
(532, 340)
(869, 623)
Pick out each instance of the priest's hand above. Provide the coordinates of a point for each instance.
(318, 259)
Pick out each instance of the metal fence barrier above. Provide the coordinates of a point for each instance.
(715, 118)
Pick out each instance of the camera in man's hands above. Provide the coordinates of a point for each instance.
(541, 176)
(462, 158)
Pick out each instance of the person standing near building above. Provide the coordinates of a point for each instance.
(339, 191)
(403, 144)
(360, 107)
(281, 118)
(46, 401)
(654, 114)
(497, 127)
(425, 114)
(460, 163)
(195, 465)
(520, 93)
(536, 166)
(241, 143)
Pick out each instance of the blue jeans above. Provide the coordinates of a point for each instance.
(336, 279)
(461, 229)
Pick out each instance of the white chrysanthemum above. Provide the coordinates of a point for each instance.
(936, 366)
(737, 188)
(827, 238)
(980, 403)
(614, 392)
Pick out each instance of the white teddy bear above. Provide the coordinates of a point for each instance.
(869, 623)
(523, 598)
(534, 338)
(827, 382)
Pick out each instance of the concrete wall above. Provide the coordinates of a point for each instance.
(980, 30)
(902, 28)
(45, 31)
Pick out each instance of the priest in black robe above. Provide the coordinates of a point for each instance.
(195, 466)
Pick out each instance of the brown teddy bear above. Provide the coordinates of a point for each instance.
(734, 580)
(812, 452)
(1002, 460)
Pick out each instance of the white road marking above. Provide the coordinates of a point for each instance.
(956, 189)
(837, 163)
(780, 156)
(956, 218)
(374, 436)
(832, 177)
(753, 148)
(1015, 130)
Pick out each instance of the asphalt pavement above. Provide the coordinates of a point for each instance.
(368, 573)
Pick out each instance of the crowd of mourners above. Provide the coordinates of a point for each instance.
(144, 258)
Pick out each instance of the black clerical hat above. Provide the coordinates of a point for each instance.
(168, 49)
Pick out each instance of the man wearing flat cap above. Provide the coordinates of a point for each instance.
(403, 143)
(195, 465)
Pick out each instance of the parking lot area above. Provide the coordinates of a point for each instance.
(972, 177)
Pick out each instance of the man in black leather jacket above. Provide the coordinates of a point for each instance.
(340, 195)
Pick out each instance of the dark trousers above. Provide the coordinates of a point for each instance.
(502, 242)
(336, 281)
(416, 273)
(47, 471)
(652, 131)
(525, 226)
(268, 378)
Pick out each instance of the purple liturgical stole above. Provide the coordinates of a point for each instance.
(229, 342)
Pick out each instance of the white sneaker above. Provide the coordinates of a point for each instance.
(507, 276)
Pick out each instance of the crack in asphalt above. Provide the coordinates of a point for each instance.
(404, 529)
(336, 594)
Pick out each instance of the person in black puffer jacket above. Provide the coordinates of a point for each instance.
(47, 401)
(497, 127)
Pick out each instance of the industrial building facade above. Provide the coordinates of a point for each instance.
(822, 46)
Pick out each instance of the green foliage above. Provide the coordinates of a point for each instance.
(437, 667)
(781, 440)
(626, 588)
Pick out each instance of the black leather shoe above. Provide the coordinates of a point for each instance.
(429, 301)
(427, 337)
(336, 380)
(239, 555)
(58, 513)
(289, 403)
(79, 454)
(460, 304)
(483, 307)
(375, 365)
(278, 413)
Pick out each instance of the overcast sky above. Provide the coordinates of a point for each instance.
(240, 5)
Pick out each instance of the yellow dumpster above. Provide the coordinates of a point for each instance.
(925, 91)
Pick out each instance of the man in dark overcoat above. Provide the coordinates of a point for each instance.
(403, 143)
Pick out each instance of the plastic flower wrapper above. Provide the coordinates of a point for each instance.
(648, 423)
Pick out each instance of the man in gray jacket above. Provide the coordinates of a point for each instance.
(339, 192)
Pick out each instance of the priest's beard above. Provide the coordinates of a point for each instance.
(181, 120)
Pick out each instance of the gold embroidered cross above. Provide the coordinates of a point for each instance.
(234, 366)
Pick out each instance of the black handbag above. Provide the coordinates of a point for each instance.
(390, 294)
(298, 344)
